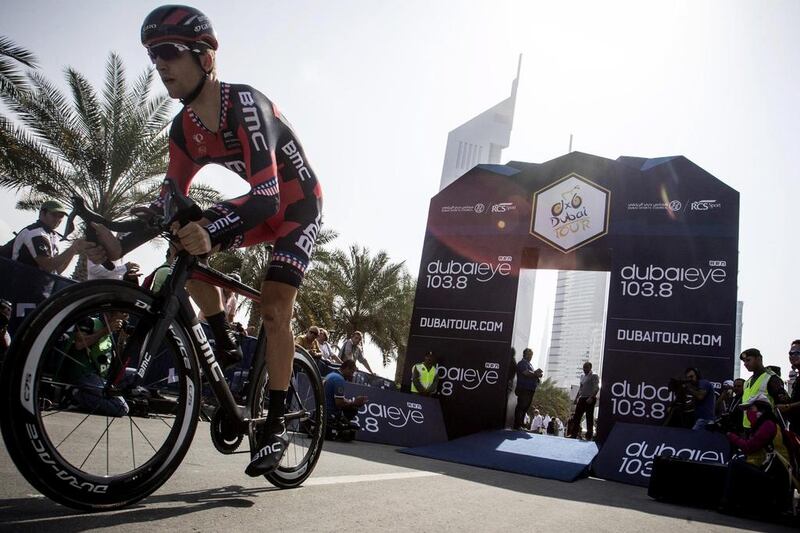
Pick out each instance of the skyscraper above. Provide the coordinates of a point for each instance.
(481, 139)
(578, 326)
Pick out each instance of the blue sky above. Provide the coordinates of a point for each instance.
(373, 88)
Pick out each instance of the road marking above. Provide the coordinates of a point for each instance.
(333, 480)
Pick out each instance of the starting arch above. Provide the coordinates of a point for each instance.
(665, 229)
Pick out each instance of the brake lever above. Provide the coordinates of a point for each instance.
(70, 227)
(77, 204)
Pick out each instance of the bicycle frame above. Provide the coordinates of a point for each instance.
(173, 300)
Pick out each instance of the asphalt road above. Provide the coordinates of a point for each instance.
(364, 487)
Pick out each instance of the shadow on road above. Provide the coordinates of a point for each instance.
(587, 490)
(39, 512)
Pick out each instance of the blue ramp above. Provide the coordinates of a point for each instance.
(543, 456)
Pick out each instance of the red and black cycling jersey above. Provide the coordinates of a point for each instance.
(254, 141)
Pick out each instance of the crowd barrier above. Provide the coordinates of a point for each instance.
(628, 454)
(397, 418)
(26, 287)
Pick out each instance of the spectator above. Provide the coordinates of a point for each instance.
(762, 381)
(229, 299)
(792, 409)
(728, 408)
(725, 396)
(537, 424)
(585, 402)
(352, 350)
(90, 351)
(527, 381)
(559, 427)
(128, 271)
(156, 279)
(309, 342)
(760, 483)
(423, 376)
(36, 245)
(341, 410)
(551, 425)
(326, 349)
(5, 316)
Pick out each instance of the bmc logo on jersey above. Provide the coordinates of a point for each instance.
(252, 121)
(309, 235)
(296, 157)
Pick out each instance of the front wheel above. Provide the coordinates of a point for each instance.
(305, 420)
(72, 422)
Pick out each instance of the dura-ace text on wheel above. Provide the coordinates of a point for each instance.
(69, 432)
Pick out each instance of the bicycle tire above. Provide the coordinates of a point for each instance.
(27, 378)
(306, 436)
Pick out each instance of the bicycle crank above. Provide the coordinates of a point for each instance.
(224, 433)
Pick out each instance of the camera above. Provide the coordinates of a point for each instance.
(676, 385)
(722, 424)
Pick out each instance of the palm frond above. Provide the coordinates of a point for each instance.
(11, 79)
(24, 162)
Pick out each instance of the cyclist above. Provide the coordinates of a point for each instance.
(240, 128)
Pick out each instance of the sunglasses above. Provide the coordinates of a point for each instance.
(168, 51)
(794, 352)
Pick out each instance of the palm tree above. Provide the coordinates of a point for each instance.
(110, 151)
(549, 399)
(11, 81)
(370, 294)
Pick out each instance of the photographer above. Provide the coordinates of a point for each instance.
(90, 352)
(759, 484)
(680, 413)
(341, 410)
(703, 393)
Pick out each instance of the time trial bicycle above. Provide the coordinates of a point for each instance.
(67, 420)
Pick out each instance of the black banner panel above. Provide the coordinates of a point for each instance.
(392, 417)
(630, 451)
(665, 229)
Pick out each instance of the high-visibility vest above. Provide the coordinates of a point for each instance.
(752, 388)
(426, 376)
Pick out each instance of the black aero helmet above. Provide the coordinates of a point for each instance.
(178, 23)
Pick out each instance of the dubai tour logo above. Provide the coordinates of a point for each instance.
(570, 213)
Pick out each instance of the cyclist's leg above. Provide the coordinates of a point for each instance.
(292, 253)
(277, 303)
(209, 299)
